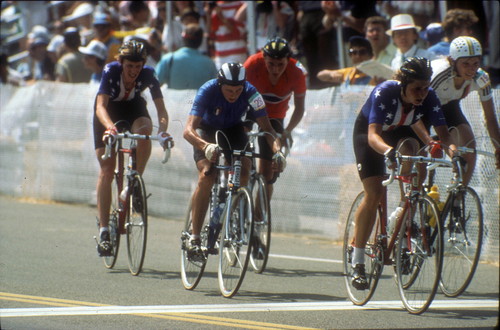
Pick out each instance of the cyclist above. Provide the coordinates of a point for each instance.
(119, 99)
(220, 104)
(391, 114)
(453, 79)
(277, 76)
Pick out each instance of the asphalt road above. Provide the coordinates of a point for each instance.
(51, 278)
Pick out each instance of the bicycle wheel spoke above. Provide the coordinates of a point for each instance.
(463, 226)
(235, 247)
(419, 258)
(262, 228)
(109, 261)
(373, 259)
(137, 226)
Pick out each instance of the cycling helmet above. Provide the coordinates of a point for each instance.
(133, 50)
(232, 74)
(465, 47)
(415, 68)
(277, 48)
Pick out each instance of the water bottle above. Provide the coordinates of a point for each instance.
(393, 219)
(215, 226)
(434, 194)
(123, 194)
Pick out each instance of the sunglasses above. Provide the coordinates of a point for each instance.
(360, 52)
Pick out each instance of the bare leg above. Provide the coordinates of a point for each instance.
(106, 176)
(142, 125)
(201, 195)
(367, 211)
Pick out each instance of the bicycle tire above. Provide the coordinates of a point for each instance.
(235, 243)
(137, 225)
(374, 257)
(262, 226)
(462, 243)
(419, 259)
(191, 270)
(114, 234)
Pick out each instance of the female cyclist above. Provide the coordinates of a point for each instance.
(119, 99)
(453, 79)
(392, 113)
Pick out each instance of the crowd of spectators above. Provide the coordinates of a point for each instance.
(63, 40)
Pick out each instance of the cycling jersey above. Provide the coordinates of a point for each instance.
(218, 113)
(293, 80)
(384, 106)
(112, 83)
(442, 82)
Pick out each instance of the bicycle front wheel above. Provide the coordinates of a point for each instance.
(419, 256)
(114, 233)
(262, 226)
(137, 225)
(373, 257)
(235, 243)
(463, 237)
(192, 268)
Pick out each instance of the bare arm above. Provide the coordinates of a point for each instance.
(274, 141)
(298, 112)
(491, 122)
(191, 135)
(375, 139)
(162, 114)
(102, 111)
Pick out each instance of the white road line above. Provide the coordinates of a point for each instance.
(223, 308)
(282, 256)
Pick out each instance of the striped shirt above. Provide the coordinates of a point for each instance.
(444, 86)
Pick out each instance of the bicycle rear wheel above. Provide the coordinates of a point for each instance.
(235, 244)
(137, 225)
(419, 256)
(114, 234)
(373, 258)
(463, 231)
(262, 225)
(192, 269)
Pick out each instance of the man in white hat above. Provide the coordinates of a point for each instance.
(404, 34)
(95, 55)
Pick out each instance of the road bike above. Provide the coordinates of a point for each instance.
(227, 232)
(462, 222)
(414, 249)
(129, 211)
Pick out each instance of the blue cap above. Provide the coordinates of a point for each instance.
(101, 19)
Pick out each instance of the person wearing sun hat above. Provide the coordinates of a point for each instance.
(95, 54)
(405, 35)
(103, 32)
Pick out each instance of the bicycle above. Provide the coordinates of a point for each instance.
(414, 249)
(232, 238)
(462, 222)
(262, 207)
(129, 214)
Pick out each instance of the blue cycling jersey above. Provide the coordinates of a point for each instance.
(112, 83)
(385, 107)
(218, 113)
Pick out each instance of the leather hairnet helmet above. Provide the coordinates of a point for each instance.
(232, 73)
(465, 47)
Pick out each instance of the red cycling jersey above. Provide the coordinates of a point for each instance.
(293, 80)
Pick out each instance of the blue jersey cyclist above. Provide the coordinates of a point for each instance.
(223, 104)
(391, 117)
(119, 100)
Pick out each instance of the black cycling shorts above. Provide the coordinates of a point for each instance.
(368, 161)
(236, 135)
(453, 114)
(265, 151)
(124, 111)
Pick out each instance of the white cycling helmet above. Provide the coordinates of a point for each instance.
(465, 47)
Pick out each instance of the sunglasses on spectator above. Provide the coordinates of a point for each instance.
(359, 52)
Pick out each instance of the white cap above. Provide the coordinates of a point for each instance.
(95, 48)
(402, 22)
(80, 11)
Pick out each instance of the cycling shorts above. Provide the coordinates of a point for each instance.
(453, 114)
(369, 162)
(236, 136)
(124, 111)
(265, 151)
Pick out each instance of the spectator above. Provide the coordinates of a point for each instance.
(139, 15)
(423, 12)
(404, 34)
(81, 18)
(172, 33)
(375, 31)
(7, 74)
(69, 68)
(39, 65)
(433, 34)
(228, 34)
(94, 59)
(456, 23)
(104, 33)
(492, 11)
(360, 50)
(56, 42)
(186, 68)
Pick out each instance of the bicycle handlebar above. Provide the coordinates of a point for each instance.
(133, 136)
(466, 150)
(432, 164)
